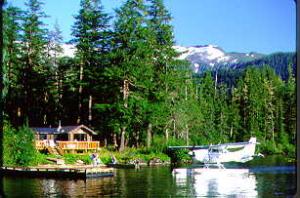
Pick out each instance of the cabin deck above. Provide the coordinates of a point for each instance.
(70, 145)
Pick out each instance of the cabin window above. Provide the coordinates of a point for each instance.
(62, 137)
(43, 137)
(80, 137)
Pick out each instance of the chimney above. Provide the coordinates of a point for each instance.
(59, 126)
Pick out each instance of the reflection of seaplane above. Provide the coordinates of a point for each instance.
(217, 182)
(222, 153)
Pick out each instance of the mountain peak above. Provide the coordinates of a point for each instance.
(201, 57)
(209, 56)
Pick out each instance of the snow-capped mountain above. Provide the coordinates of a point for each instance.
(201, 57)
(211, 57)
(204, 57)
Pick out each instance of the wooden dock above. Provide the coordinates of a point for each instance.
(59, 171)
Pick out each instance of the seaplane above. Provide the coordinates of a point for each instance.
(216, 155)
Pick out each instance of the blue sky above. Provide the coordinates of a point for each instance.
(264, 26)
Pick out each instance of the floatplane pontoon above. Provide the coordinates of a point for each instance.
(215, 155)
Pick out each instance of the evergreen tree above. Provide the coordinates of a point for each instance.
(169, 72)
(12, 50)
(206, 102)
(290, 106)
(68, 90)
(163, 42)
(54, 45)
(35, 73)
(90, 32)
(235, 119)
(55, 51)
(256, 93)
(251, 97)
(131, 68)
(268, 104)
(222, 113)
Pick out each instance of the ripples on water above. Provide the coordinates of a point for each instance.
(252, 181)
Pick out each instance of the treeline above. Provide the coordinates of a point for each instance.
(126, 82)
(277, 61)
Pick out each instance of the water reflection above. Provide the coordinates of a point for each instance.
(218, 182)
(76, 187)
(35, 187)
(258, 181)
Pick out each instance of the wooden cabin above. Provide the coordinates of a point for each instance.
(66, 138)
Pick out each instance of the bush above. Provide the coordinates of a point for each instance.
(290, 150)
(42, 159)
(25, 151)
(72, 158)
(130, 154)
(269, 147)
(19, 146)
(8, 144)
(105, 159)
(179, 155)
(160, 145)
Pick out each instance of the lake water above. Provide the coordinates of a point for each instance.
(267, 177)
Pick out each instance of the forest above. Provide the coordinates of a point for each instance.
(127, 83)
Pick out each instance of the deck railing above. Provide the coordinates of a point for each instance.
(41, 144)
(78, 145)
(69, 145)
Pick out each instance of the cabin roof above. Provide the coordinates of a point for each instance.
(62, 129)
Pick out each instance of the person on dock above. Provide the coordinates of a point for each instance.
(137, 164)
(113, 159)
(95, 158)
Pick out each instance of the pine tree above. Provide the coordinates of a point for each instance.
(252, 97)
(131, 69)
(159, 23)
(235, 119)
(12, 35)
(34, 71)
(68, 77)
(169, 72)
(2, 96)
(54, 45)
(256, 94)
(290, 106)
(222, 113)
(206, 101)
(55, 51)
(90, 32)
